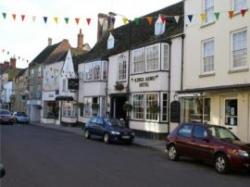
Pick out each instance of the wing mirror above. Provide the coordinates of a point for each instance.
(2, 171)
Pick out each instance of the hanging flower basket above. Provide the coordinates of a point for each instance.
(127, 107)
(154, 108)
(119, 86)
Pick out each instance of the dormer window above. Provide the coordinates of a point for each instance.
(160, 26)
(111, 42)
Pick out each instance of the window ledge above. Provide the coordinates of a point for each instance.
(238, 70)
(207, 24)
(207, 75)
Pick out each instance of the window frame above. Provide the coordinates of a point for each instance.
(203, 42)
(167, 107)
(122, 63)
(163, 56)
(133, 54)
(157, 59)
(234, 8)
(207, 10)
(232, 63)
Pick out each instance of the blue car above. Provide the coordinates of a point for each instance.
(109, 130)
(21, 117)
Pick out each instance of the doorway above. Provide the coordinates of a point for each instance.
(117, 102)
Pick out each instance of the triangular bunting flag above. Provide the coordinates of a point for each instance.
(230, 13)
(243, 12)
(177, 18)
(101, 21)
(56, 20)
(217, 15)
(45, 19)
(33, 18)
(163, 18)
(88, 20)
(77, 20)
(137, 21)
(149, 19)
(66, 20)
(190, 18)
(4, 15)
(125, 20)
(22, 17)
(203, 16)
(14, 16)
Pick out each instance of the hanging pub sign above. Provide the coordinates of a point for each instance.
(73, 84)
(175, 112)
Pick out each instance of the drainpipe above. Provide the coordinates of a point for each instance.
(169, 83)
(182, 60)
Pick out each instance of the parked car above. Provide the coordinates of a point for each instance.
(6, 117)
(21, 117)
(109, 129)
(214, 144)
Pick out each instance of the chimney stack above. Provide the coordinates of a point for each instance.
(80, 40)
(13, 62)
(49, 41)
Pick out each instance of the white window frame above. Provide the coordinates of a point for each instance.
(134, 53)
(147, 107)
(134, 116)
(162, 107)
(232, 65)
(165, 59)
(236, 9)
(203, 56)
(155, 59)
(122, 67)
(209, 11)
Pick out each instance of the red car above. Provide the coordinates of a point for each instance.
(6, 117)
(210, 143)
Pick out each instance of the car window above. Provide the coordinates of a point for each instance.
(185, 131)
(99, 121)
(222, 133)
(93, 120)
(200, 132)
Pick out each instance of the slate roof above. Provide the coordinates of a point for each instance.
(20, 73)
(135, 35)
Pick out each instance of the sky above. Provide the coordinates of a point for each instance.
(27, 39)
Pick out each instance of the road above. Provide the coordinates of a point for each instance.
(40, 157)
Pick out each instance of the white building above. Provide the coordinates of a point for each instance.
(216, 82)
(140, 60)
(6, 94)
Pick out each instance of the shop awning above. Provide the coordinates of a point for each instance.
(64, 98)
(215, 88)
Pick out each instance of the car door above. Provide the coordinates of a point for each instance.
(92, 125)
(183, 140)
(201, 143)
(100, 127)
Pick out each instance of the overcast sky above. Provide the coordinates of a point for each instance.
(26, 39)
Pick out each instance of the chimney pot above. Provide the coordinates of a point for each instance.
(80, 40)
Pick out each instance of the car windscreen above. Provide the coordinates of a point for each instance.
(222, 133)
(21, 114)
(115, 122)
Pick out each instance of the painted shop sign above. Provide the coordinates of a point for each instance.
(144, 81)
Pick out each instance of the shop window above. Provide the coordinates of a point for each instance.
(87, 106)
(231, 112)
(152, 108)
(164, 107)
(138, 106)
(207, 109)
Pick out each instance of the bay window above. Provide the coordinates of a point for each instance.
(152, 106)
(138, 106)
(138, 60)
(94, 71)
(152, 57)
(165, 53)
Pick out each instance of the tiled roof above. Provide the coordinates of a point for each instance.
(134, 35)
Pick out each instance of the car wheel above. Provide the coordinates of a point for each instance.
(172, 153)
(221, 163)
(106, 138)
(86, 134)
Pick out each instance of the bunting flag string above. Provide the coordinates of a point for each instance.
(149, 19)
(10, 54)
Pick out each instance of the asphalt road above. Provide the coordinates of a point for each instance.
(40, 157)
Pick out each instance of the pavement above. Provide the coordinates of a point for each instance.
(158, 145)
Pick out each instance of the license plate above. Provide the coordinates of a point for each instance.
(125, 137)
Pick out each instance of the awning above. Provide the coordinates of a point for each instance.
(64, 98)
(215, 88)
